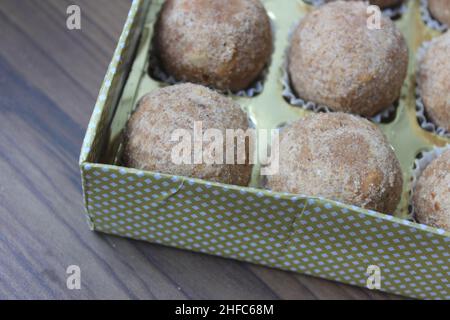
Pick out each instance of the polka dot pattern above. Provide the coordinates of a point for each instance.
(312, 236)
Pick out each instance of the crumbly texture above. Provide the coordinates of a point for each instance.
(434, 81)
(223, 44)
(148, 144)
(335, 60)
(341, 157)
(381, 3)
(431, 199)
(440, 10)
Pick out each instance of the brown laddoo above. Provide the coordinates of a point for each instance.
(337, 61)
(440, 10)
(431, 198)
(340, 157)
(382, 3)
(221, 44)
(149, 138)
(434, 81)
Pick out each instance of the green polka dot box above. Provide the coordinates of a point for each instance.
(309, 235)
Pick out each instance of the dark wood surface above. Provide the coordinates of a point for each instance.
(49, 79)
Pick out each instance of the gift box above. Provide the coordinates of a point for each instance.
(309, 235)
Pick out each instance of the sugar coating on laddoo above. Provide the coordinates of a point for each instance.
(431, 197)
(440, 10)
(149, 132)
(434, 81)
(340, 157)
(337, 61)
(222, 44)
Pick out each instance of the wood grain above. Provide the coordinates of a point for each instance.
(49, 79)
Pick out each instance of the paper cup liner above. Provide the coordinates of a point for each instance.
(428, 19)
(424, 122)
(390, 12)
(159, 74)
(420, 163)
(396, 11)
(289, 94)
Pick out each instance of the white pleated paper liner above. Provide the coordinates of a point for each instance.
(289, 94)
(422, 118)
(419, 166)
(428, 19)
(159, 74)
(391, 12)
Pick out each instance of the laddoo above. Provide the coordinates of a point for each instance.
(220, 44)
(336, 60)
(431, 197)
(434, 81)
(440, 10)
(149, 135)
(341, 157)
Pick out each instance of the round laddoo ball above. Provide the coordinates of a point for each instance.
(431, 196)
(434, 81)
(337, 61)
(340, 157)
(440, 10)
(221, 44)
(153, 136)
(381, 3)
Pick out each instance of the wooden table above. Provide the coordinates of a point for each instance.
(49, 80)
